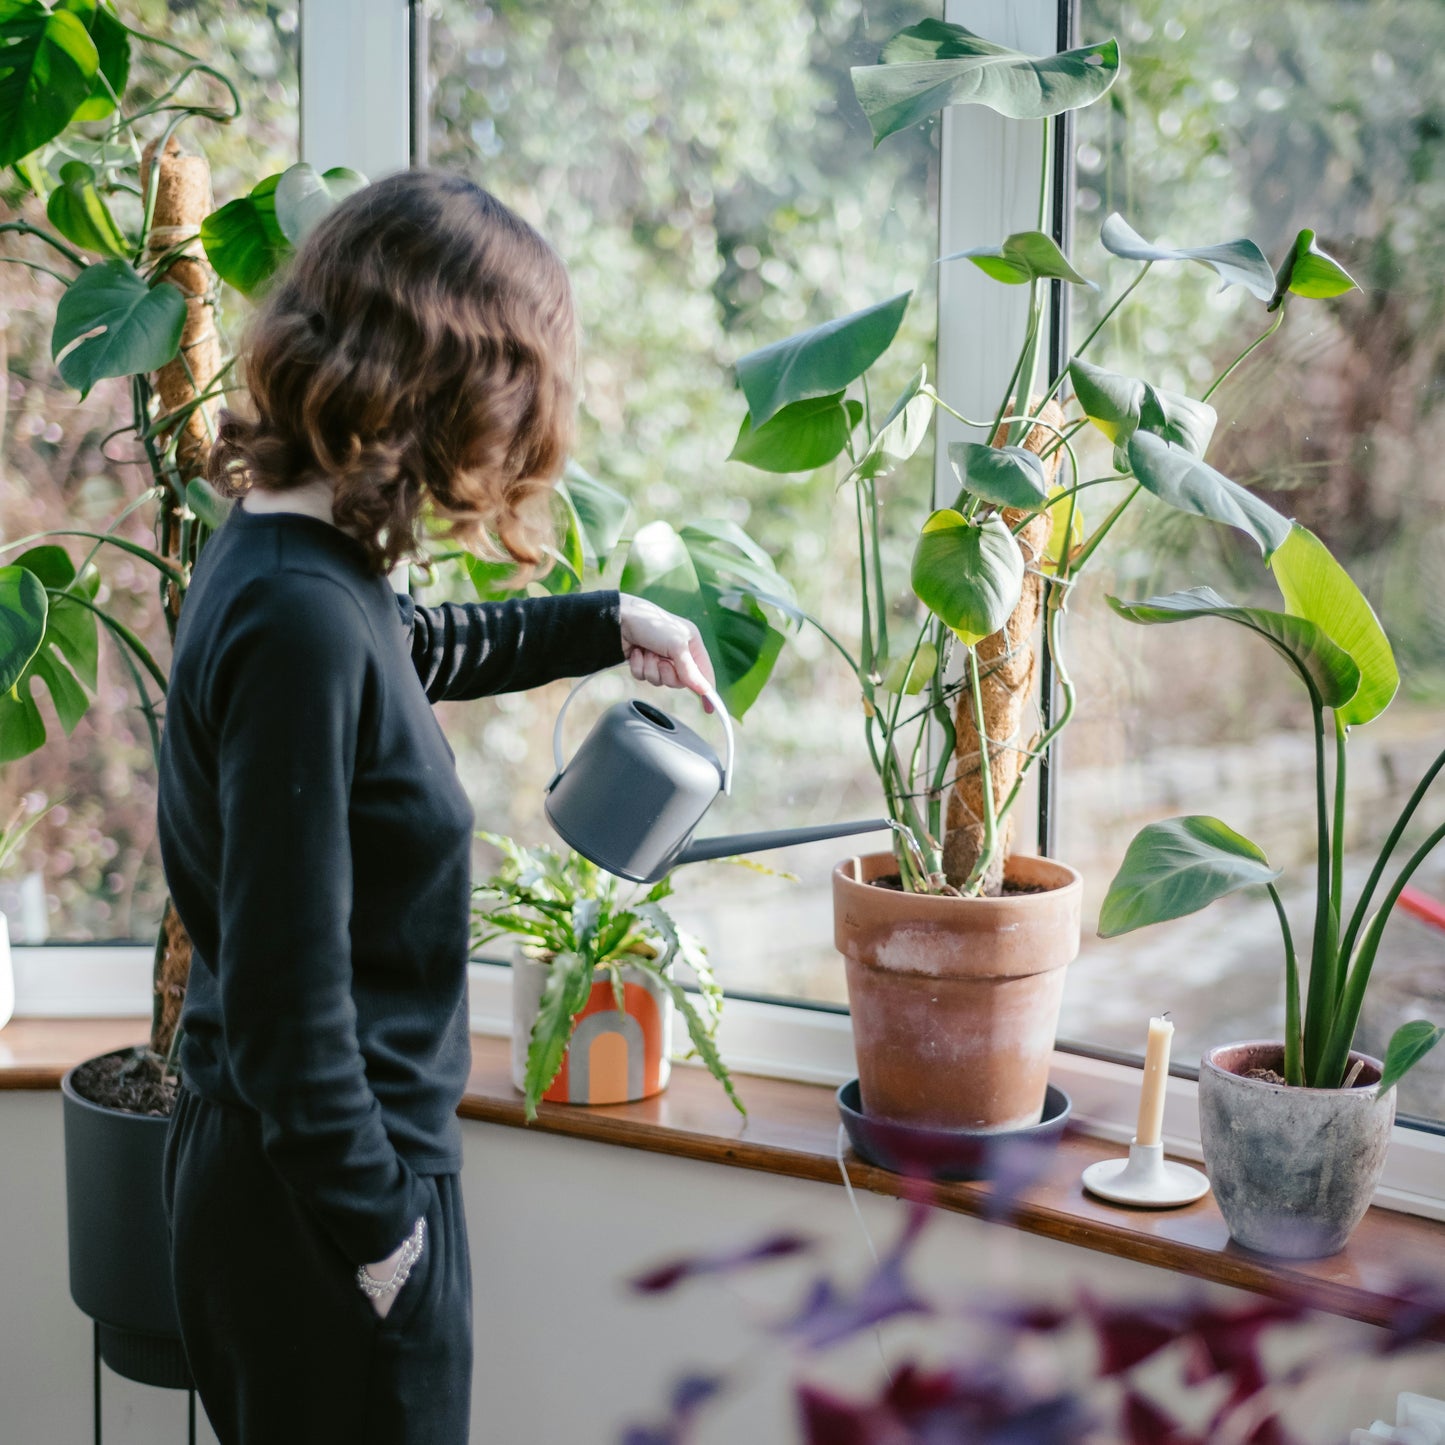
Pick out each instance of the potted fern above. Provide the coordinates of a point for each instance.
(593, 991)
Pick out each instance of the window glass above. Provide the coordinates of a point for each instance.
(90, 870)
(712, 185)
(1234, 119)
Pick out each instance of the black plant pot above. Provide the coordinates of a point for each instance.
(120, 1258)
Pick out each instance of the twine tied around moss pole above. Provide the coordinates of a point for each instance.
(1008, 661)
(182, 202)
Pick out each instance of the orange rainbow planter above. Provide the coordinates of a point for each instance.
(614, 1058)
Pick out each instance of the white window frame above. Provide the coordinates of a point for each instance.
(357, 110)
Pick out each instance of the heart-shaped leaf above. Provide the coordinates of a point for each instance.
(968, 574)
(708, 573)
(902, 431)
(934, 64)
(601, 513)
(1000, 476)
(1178, 867)
(1316, 587)
(23, 606)
(48, 64)
(1121, 405)
(304, 195)
(1408, 1045)
(1326, 669)
(112, 45)
(127, 326)
(244, 240)
(77, 211)
(921, 669)
(820, 361)
(1236, 263)
(799, 438)
(1307, 271)
(1025, 256)
(1184, 481)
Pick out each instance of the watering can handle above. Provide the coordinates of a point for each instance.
(710, 694)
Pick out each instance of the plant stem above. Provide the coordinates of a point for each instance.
(1320, 1002)
(1024, 352)
(24, 228)
(1357, 918)
(1293, 1062)
(880, 592)
(1243, 356)
(1337, 857)
(866, 646)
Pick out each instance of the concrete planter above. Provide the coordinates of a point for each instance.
(955, 1000)
(1293, 1169)
(613, 1058)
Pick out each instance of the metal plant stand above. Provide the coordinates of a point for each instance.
(173, 1383)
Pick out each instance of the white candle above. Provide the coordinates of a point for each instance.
(1156, 1078)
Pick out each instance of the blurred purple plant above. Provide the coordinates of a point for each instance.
(988, 1395)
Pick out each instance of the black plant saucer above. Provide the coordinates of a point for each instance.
(929, 1152)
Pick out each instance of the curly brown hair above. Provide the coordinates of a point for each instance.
(421, 348)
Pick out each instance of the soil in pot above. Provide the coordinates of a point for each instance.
(955, 1000)
(132, 1081)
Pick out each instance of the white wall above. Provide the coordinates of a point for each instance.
(562, 1352)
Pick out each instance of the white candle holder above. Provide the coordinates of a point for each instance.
(1145, 1180)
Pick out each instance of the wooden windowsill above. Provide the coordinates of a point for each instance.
(792, 1129)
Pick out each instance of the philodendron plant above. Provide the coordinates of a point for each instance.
(1012, 542)
(1332, 641)
(584, 924)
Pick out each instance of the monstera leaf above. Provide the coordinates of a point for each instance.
(48, 65)
(110, 322)
(1236, 263)
(66, 655)
(77, 211)
(968, 574)
(934, 64)
(244, 240)
(1121, 405)
(1307, 271)
(1025, 256)
(304, 195)
(799, 438)
(1000, 476)
(713, 574)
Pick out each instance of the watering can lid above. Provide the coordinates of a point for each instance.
(711, 695)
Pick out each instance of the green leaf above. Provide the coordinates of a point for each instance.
(137, 327)
(601, 513)
(818, 362)
(564, 996)
(112, 44)
(47, 68)
(1176, 476)
(1121, 405)
(709, 573)
(799, 438)
(1326, 669)
(934, 64)
(902, 431)
(1236, 263)
(1316, 587)
(494, 581)
(1408, 1045)
(918, 674)
(1178, 867)
(70, 627)
(1001, 476)
(305, 195)
(23, 608)
(1307, 271)
(207, 503)
(244, 241)
(77, 211)
(968, 574)
(569, 563)
(702, 1041)
(1025, 256)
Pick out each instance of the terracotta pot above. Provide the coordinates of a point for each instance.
(613, 1058)
(955, 1000)
(1293, 1169)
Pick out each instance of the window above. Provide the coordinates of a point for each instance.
(91, 869)
(1235, 119)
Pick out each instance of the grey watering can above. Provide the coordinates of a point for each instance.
(640, 783)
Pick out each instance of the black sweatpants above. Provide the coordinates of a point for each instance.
(284, 1347)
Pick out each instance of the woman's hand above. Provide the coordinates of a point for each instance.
(664, 649)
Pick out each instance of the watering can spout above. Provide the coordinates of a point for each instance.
(729, 845)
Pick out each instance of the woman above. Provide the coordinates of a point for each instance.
(314, 835)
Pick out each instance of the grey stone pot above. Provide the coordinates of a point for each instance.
(1293, 1170)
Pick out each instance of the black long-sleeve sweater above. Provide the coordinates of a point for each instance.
(317, 844)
